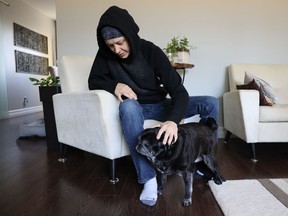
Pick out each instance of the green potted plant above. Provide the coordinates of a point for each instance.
(178, 50)
(47, 88)
(48, 84)
(184, 45)
(172, 48)
(48, 81)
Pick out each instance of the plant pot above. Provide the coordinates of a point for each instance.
(182, 57)
(46, 93)
(172, 57)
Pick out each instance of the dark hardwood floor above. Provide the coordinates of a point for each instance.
(33, 182)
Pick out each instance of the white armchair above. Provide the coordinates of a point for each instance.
(88, 120)
(244, 117)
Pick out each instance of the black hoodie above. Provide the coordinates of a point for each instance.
(147, 69)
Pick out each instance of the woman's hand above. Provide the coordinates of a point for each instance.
(171, 132)
(125, 90)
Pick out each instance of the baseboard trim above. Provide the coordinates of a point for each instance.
(221, 132)
(26, 111)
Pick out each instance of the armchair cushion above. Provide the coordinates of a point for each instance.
(253, 85)
(267, 90)
(276, 113)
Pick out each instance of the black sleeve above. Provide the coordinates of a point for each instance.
(171, 81)
(100, 77)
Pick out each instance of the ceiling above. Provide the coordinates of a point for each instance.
(47, 7)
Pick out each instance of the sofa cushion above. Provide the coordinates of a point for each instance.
(253, 85)
(264, 86)
(275, 113)
(282, 94)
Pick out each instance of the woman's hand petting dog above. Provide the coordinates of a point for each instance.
(170, 131)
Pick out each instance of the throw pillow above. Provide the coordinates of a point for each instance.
(264, 86)
(253, 85)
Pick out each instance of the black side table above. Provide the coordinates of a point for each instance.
(46, 94)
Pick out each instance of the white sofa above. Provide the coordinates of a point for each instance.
(88, 120)
(244, 117)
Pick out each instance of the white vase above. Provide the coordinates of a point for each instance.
(183, 57)
(172, 57)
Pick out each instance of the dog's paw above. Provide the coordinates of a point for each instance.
(222, 178)
(219, 179)
(187, 202)
(160, 191)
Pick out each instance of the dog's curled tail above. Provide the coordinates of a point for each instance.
(212, 123)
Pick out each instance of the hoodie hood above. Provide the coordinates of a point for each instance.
(118, 18)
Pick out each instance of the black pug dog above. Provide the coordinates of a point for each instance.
(194, 139)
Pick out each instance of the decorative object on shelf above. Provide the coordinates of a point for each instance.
(171, 49)
(178, 50)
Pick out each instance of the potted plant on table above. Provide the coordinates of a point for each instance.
(178, 50)
(172, 48)
(47, 88)
(48, 81)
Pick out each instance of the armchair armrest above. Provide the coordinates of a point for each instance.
(241, 113)
(90, 121)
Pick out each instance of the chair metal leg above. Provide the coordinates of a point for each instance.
(228, 135)
(253, 152)
(63, 152)
(114, 180)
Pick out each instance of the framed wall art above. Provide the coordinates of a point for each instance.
(27, 38)
(32, 64)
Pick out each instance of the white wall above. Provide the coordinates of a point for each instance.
(223, 31)
(3, 87)
(18, 84)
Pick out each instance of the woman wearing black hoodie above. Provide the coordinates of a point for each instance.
(140, 75)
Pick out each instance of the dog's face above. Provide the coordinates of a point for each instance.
(159, 154)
